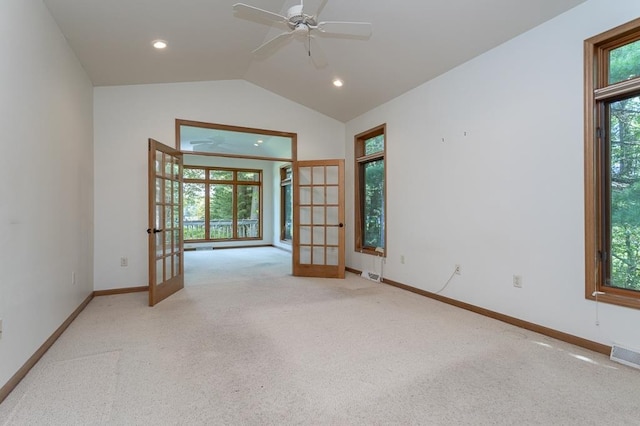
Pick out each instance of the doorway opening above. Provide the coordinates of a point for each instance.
(235, 210)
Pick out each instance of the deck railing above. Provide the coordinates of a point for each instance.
(221, 229)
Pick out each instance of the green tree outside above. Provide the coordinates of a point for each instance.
(624, 162)
(374, 196)
(221, 204)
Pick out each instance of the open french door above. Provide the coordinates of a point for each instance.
(166, 268)
(319, 239)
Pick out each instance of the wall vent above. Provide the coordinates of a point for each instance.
(625, 356)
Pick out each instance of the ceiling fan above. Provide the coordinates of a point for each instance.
(215, 140)
(217, 143)
(305, 26)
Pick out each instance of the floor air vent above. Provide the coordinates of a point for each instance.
(370, 276)
(625, 356)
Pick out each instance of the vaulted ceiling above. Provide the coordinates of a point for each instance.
(413, 41)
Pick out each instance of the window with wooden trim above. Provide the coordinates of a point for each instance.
(612, 166)
(286, 204)
(370, 190)
(221, 204)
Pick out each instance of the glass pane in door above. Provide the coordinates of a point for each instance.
(305, 195)
(332, 236)
(333, 175)
(304, 175)
(318, 175)
(305, 235)
(318, 195)
(318, 235)
(332, 256)
(318, 216)
(332, 195)
(159, 271)
(318, 255)
(305, 255)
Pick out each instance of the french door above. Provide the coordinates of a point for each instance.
(166, 267)
(318, 241)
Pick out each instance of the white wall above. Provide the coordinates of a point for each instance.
(126, 116)
(507, 198)
(267, 195)
(46, 186)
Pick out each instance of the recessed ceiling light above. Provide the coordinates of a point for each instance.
(159, 44)
(337, 82)
(259, 140)
(256, 144)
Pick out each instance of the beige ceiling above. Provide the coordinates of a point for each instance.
(413, 41)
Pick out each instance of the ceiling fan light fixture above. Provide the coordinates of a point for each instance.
(337, 82)
(301, 29)
(159, 44)
(302, 26)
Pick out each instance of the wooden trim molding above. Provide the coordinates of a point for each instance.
(565, 337)
(124, 290)
(293, 136)
(22, 372)
(361, 158)
(235, 183)
(597, 93)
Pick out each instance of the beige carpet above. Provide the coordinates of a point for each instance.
(284, 350)
(230, 265)
(69, 388)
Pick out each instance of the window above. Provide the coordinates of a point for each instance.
(286, 208)
(221, 204)
(195, 137)
(612, 165)
(370, 190)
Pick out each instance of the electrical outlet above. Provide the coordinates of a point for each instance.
(517, 281)
(402, 259)
(73, 277)
(0, 328)
(458, 270)
(124, 261)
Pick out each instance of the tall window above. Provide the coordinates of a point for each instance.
(612, 165)
(221, 204)
(286, 208)
(370, 190)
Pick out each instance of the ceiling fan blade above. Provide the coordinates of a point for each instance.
(316, 53)
(272, 45)
(203, 142)
(313, 7)
(352, 29)
(248, 11)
